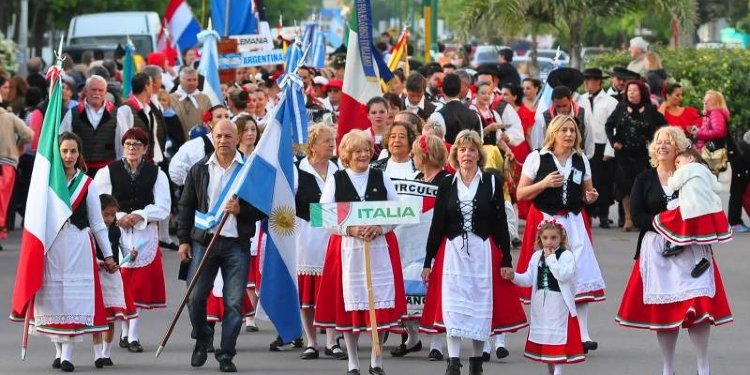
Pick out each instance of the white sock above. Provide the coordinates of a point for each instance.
(667, 342)
(133, 329)
(67, 351)
(699, 335)
(477, 346)
(58, 349)
(583, 320)
(98, 351)
(500, 341)
(413, 331)
(330, 338)
(377, 360)
(558, 369)
(454, 346)
(351, 339)
(436, 342)
(486, 348)
(106, 349)
(250, 321)
(124, 327)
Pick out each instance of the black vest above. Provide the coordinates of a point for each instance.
(133, 194)
(113, 232)
(550, 200)
(457, 117)
(307, 192)
(99, 143)
(544, 277)
(484, 214)
(345, 191)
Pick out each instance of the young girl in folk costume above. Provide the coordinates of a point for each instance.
(554, 335)
(700, 218)
(117, 301)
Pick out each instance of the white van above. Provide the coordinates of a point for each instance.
(102, 32)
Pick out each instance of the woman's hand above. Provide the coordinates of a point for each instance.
(505, 138)
(553, 180)
(617, 146)
(426, 275)
(507, 273)
(128, 221)
(110, 265)
(591, 196)
(133, 254)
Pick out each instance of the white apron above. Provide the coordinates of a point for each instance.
(354, 278)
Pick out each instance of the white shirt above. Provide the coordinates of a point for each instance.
(152, 213)
(95, 117)
(539, 131)
(512, 122)
(437, 118)
(404, 171)
(189, 153)
(531, 165)
(467, 193)
(595, 119)
(218, 177)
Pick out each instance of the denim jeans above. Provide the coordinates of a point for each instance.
(233, 260)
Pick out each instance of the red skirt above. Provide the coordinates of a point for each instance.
(253, 277)
(702, 230)
(308, 290)
(330, 312)
(635, 314)
(571, 352)
(521, 151)
(507, 311)
(215, 307)
(118, 313)
(146, 284)
(527, 249)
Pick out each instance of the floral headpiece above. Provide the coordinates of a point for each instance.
(550, 221)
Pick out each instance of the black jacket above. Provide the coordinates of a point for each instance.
(195, 197)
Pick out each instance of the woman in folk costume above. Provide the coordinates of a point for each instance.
(430, 156)
(314, 170)
(343, 303)
(69, 302)
(661, 294)
(142, 190)
(554, 337)
(118, 302)
(557, 178)
(469, 242)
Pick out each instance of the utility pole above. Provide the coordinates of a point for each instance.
(23, 38)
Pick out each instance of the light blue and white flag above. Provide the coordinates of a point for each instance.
(209, 65)
(318, 51)
(292, 60)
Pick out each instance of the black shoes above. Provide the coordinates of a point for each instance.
(475, 365)
(278, 344)
(124, 342)
(66, 366)
(402, 350)
(454, 366)
(700, 268)
(353, 372)
(335, 352)
(590, 345)
(485, 356)
(376, 371)
(251, 328)
(108, 362)
(310, 353)
(99, 363)
(671, 250)
(435, 355)
(199, 356)
(56, 363)
(501, 352)
(227, 366)
(135, 347)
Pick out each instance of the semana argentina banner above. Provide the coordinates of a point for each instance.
(412, 240)
(246, 59)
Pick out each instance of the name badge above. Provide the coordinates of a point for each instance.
(577, 176)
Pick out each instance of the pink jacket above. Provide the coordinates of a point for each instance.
(715, 127)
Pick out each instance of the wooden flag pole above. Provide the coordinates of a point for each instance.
(191, 286)
(26, 325)
(371, 299)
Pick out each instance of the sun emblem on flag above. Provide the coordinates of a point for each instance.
(282, 220)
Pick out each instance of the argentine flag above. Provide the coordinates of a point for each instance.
(209, 65)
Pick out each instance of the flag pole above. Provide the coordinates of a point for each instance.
(371, 300)
(26, 325)
(191, 286)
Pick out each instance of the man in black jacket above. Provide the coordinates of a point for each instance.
(455, 116)
(202, 193)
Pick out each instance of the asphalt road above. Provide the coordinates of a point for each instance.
(621, 351)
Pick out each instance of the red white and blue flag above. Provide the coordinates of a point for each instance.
(181, 27)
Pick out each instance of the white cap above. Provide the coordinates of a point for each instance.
(640, 43)
(319, 80)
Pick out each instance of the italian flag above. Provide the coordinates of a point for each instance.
(47, 207)
(363, 71)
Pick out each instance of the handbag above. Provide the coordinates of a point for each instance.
(715, 155)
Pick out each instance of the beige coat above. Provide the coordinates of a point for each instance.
(13, 133)
(187, 113)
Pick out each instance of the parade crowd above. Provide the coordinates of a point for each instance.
(140, 167)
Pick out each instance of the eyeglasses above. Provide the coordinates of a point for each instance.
(133, 144)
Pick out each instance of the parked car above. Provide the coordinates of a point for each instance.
(485, 55)
(551, 53)
(107, 30)
(545, 65)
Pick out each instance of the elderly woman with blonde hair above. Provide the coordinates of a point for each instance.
(467, 296)
(343, 303)
(661, 295)
(557, 178)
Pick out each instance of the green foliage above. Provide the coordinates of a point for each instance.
(8, 53)
(699, 70)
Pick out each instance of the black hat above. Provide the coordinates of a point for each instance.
(490, 69)
(624, 73)
(338, 60)
(568, 77)
(595, 73)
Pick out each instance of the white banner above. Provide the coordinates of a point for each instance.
(253, 42)
(246, 59)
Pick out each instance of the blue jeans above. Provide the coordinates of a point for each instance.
(233, 260)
